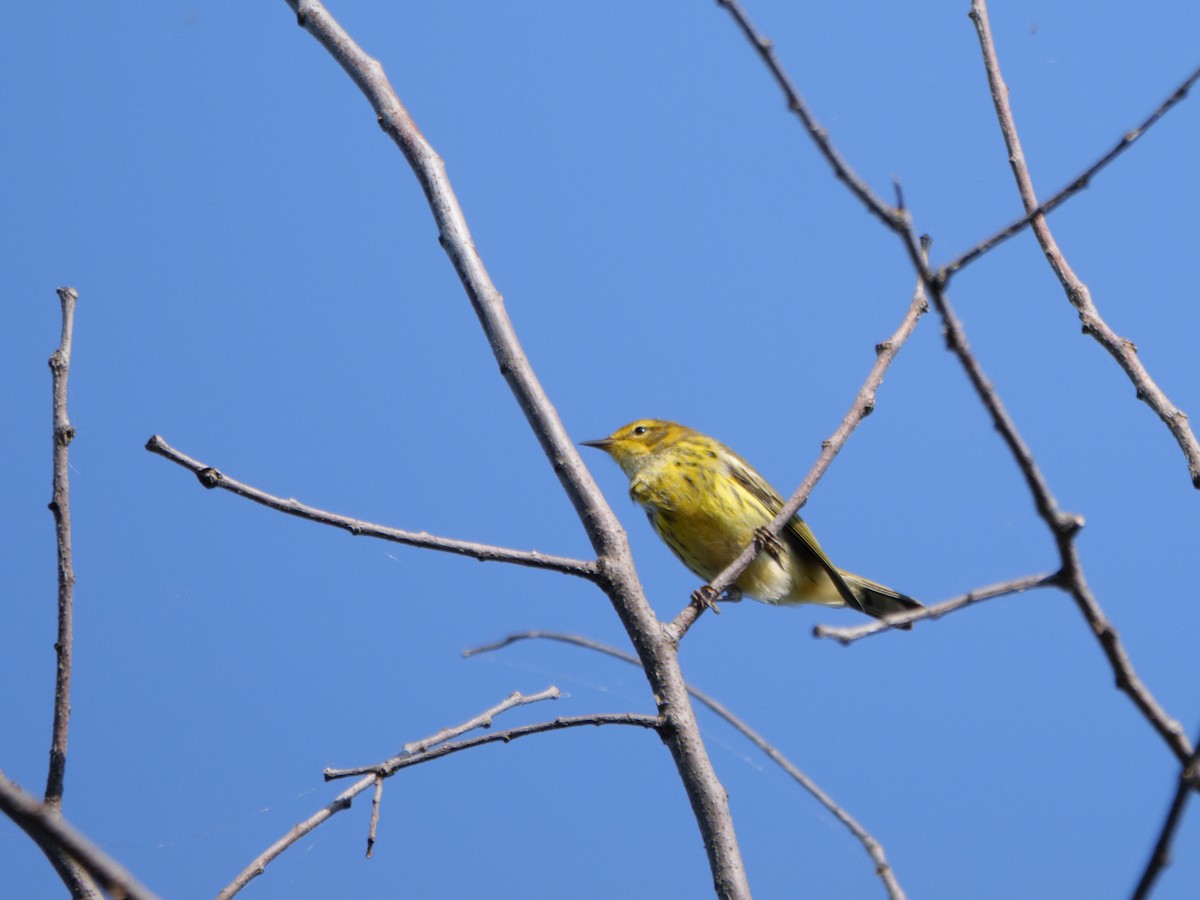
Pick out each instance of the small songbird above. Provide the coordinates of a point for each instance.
(708, 504)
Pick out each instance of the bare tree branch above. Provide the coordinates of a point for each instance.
(1078, 183)
(455, 237)
(863, 406)
(77, 880)
(846, 636)
(894, 218)
(1189, 781)
(46, 826)
(874, 849)
(211, 478)
(1062, 525)
(259, 864)
(483, 720)
(60, 506)
(343, 800)
(374, 774)
(404, 760)
(680, 732)
(1122, 350)
(376, 801)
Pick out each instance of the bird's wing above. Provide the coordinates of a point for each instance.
(796, 531)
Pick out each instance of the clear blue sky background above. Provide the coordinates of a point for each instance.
(261, 283)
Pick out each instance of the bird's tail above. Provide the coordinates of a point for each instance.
(876, 599)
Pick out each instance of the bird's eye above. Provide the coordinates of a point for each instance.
(640, 430)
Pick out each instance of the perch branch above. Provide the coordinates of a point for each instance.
(1063, 526)
(863, 406)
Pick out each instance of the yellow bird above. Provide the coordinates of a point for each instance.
(708, 504)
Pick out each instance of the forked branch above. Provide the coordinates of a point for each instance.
(433, 747)
(1122, 350)
(1063, 526)
(679, 730)
(873, 848)
(49, 829)
(863, 406)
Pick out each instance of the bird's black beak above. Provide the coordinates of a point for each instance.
(602, 444)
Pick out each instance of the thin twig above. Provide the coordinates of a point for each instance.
(47, 828)
(1189, 781)
(863, 406)
(1063, 526)
(874, 849)
(77, 880)
(342, 800)
(259, 864)
(60, 506)
(483, 720)
(1122, 350)
(211, 478)
(403, 761)
(894, 218)
(373, 775)
(618, 577)
(846, 636)
(1078, 183)
(376, 802)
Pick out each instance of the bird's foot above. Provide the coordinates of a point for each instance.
(764, 540)
(706, 598)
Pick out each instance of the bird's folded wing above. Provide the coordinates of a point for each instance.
(796, 531)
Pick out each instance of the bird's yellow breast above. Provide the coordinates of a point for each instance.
(706, 503)
(708, 518)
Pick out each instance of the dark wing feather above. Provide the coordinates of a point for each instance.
(796, 532)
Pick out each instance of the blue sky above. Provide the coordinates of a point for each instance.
(261, 284)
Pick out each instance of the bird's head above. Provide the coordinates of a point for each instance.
(635, 444)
